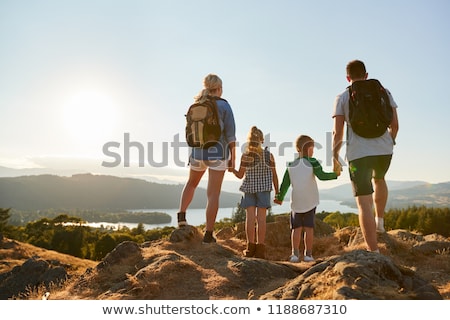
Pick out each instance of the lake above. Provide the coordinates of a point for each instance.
(197, 217)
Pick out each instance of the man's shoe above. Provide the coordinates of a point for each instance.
(181, 217)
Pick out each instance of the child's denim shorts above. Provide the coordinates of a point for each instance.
(258, 199)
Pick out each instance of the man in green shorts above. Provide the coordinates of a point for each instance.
(368, 158)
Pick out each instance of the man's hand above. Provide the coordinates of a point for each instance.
(337, 167)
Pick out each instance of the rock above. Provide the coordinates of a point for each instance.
(358, 275)
(124, 252)
(186, 233)
(431, 247)
(33, 273)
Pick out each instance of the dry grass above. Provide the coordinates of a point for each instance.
(180, 276)
(20, 251)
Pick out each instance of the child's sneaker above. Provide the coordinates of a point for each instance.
(181, 217)
(308, 258)
(208, 238)
(294, 258)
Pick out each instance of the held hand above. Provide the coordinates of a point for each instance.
(277, 201)
(231, 165)
(337, 167)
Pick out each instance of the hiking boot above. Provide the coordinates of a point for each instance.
(260, 251)
(308, 258)
(208, 238)
(294, 258)
(181, 217)
(250, 251)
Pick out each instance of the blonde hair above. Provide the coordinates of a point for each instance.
(303, 143)
(211, 83)
(255, 138)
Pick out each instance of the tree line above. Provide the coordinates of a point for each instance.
(421, 219)
(69, 234)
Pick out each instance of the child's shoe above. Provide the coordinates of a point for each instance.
(308, 258)
(260, 251)
(294, 258)
(250, 251)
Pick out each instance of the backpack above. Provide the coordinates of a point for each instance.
(370, 111)
(202, 124)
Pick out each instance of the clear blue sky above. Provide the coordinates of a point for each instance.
(78, 74)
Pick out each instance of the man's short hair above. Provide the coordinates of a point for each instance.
(356, 69)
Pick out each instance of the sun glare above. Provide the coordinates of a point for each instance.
(90, 116)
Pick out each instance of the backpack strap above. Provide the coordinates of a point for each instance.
(215, 108)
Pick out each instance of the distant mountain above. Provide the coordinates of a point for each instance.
(105, 192)
(402, 194)
(430, 195)
(99, 192)
(345, 191)
(11, 172)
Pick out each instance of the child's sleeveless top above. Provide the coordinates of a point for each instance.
(258, 174)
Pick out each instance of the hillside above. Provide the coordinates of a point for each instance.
(98, 192)
(103, 192)
(401, 194)
(410, 266)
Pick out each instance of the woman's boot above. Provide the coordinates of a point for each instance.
(250, 251)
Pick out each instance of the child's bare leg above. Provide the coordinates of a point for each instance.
(250, 224)
(308, 239)
(295, 240)
(261, 222)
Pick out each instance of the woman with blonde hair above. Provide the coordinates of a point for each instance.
(217, 158)
(258, 166)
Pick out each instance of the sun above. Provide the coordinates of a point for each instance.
(90, 116)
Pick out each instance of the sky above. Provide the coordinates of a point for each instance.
(103, 86)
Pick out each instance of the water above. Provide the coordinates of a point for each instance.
(197, 217)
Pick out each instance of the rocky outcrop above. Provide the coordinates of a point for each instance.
(215, 271)
(182, 268)
(185, 269)
(359, 275)
(32, 274)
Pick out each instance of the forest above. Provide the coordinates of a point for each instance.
(69, 235)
